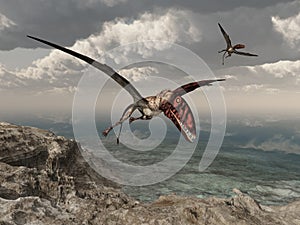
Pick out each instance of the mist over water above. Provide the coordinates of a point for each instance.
(258, 156)
(270, 176)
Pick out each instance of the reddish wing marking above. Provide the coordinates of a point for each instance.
(238, 46)
(179, 112)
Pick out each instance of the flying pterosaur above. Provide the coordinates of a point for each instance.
(169, 102)
(232, 49)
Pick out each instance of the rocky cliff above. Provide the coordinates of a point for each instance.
(45, 180)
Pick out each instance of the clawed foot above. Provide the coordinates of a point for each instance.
(131, 119)
(105, 132)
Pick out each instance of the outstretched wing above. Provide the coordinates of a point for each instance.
(179, 112)
(226, 36)
(244, 53)
(103, 67)
(194, 85)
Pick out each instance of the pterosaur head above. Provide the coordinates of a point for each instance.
(169, 102)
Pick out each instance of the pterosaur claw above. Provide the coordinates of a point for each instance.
(169, 102)
(106, 131)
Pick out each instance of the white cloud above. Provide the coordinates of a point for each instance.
(281, 68)
(138, 73)
(57, 91)
(173, 26)
(268, 88)
(61, 70)
(252, 87)
(281, 75)
(270, 78)
(273, 90)
(5, 22)
(228, 77)
(289, 28)
(8, 79)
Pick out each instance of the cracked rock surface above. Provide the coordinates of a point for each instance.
(45, 180)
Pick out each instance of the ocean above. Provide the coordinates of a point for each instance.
(259, 157)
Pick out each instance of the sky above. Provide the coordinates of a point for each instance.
(37, 79)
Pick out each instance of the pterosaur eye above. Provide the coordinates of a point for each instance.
(178, 99)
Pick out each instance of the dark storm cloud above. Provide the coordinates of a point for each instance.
(58, 69)
(70, 20)
(197, 31)
(250, 26)
(65, 21)
(208, 6)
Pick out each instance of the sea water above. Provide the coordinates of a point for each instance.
(261, 159)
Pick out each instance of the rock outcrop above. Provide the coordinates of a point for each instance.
(45, 180)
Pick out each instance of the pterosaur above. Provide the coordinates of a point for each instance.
(169, 102)
(232, 49)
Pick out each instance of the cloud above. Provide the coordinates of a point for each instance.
(280, 69)
(138, 73)
(289, 28)
(172, 26)
(71, 23)
(270, 88)
(283, 75)
(5, 22)
(70, 20)
(59, 70)
(66, 21)
(94, 3)
(9, 79)
(111, 2)
(229, 77)
(253, 87)
(239, 22)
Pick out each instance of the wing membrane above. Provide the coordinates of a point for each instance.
(244, 53)
(194, 85)
(226, 36)
(179, 112)
(103, 67)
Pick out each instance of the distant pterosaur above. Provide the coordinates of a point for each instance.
(229, 49)
(169, 102)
